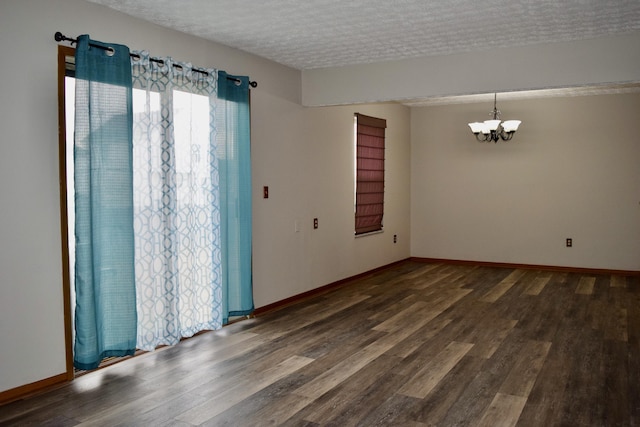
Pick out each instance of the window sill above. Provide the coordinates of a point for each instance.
(369, 233)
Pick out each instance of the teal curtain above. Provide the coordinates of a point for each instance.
(105, 312)
(233, 134)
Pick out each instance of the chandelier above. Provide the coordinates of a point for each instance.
(492, 130)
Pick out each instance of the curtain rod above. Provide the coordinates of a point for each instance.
(61, 37)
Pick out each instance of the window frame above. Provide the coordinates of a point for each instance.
(66, 59)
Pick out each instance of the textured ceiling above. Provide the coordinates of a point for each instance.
(307, 34)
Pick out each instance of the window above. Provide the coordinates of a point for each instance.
(369, 162)
(191, 200)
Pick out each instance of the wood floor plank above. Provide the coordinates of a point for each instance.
(283, 325)
(432, 280)
(585, 375)
(426, 379)
(119, 391)
(615, 373)
(275, 411)
(383, 306)
(498, 290)
(397, 410)
(488, 339)
(618, 282)
(551, 394)
(585, 286)
(542, 317)
(144, 404)
(545, 404)
(399, 320)
(434, 337)
(278, 412)
(352, 400)
(242, 390)
(502, 287)
(421, 271)
(524, 374)
(617, 328)
(422, 335)
(515, 275)
(448, 298)
(218, 353)
(633, 352)
(438, 403)
(423, 311)
(343, 370)
(163, 413)
(482, 387)
(538, 284)
(504, 411)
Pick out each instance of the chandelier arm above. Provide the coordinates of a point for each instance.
(483, 139)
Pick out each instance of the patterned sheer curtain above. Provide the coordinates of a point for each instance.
(176, 201)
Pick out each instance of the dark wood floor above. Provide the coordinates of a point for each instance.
(416, 345)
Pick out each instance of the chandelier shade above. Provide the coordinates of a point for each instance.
(494, 129)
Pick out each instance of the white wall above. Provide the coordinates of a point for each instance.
(302, 154)
(572, 170)
(308, 166)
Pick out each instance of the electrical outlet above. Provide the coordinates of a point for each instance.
(569, 242)
(395, 238)
(315, 223)
(265, 192)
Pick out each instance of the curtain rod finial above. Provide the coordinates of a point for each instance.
(61, 37)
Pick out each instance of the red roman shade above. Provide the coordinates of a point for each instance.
(370, 137)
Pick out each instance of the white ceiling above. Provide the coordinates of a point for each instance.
(307, 34)
(310, 34)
